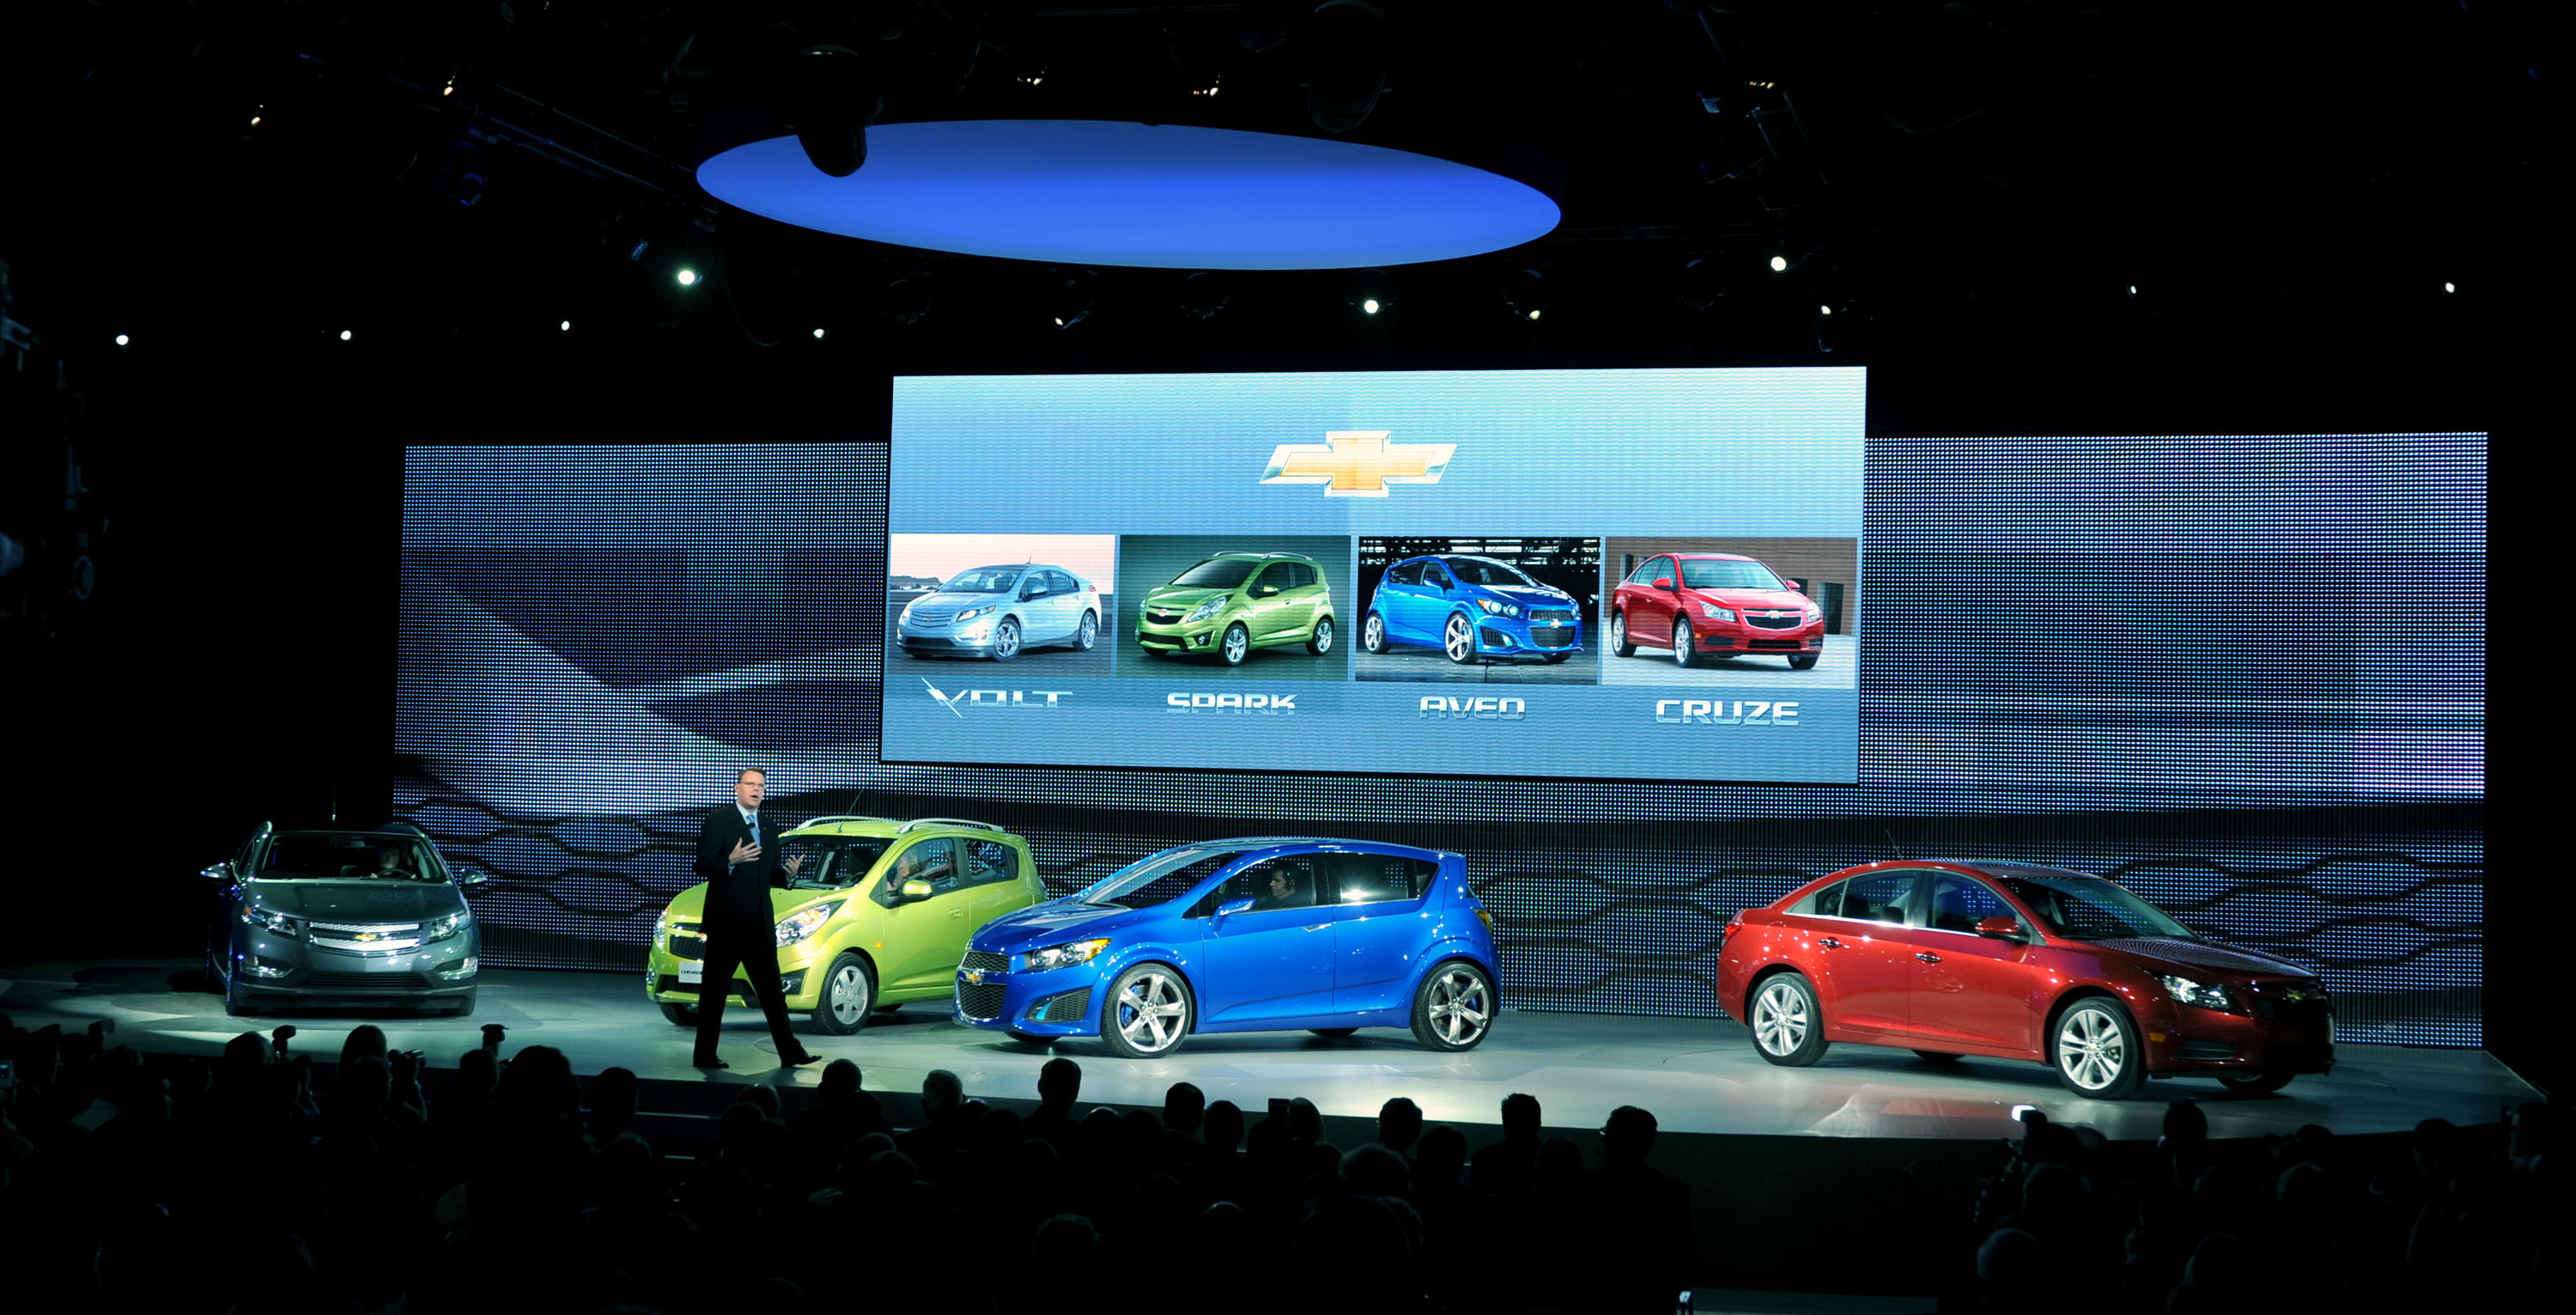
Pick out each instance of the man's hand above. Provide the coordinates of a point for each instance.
(793, 862)
(743, 852)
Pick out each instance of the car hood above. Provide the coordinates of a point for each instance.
(363, 900)
(946, 599)
(691, 904)
(1782, 598)
(2165, 954)
(1528, 597)
(1183, 595)
(1056, 920)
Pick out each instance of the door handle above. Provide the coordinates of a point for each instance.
(1927, 956)
(957, 913)
(1829, 943)
(1319, 926)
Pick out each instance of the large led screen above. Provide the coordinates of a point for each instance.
(1553, 573)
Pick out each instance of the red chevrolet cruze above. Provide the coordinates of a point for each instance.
(2016, 961)
(1714, 604)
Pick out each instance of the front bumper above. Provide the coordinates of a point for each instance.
(666, 975)
(2190, 1040)
(1519, 637)
(1715, 637)
(1057, 1002)
(276, 967)
(1180, 637)
(972, 639)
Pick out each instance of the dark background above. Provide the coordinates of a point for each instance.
(2289, 189)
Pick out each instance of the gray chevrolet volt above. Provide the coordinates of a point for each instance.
(341, 918)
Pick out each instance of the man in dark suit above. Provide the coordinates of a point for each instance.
(739, 867)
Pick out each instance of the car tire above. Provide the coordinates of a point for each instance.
(1235, 646)
(1088, 633)
(680, 1015)
(2255, 1084)
(2095, 1049)
(1619, 645)
(1334, 1033)
(1802, 661)
(1373, 634)
(1321, 642)
(1787, 1024)
(1683, 654)
(463, 1008)
(1006, 639)
(1453, 1009)
(1148, 1012)
(849, 995)
(1936, 1056)
(1458, 639)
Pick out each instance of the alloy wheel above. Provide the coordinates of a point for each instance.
(1459, 1008)
(2090, 1050)
(847, 995)
(1780, 1018)
(1324, 635)
(1090, 632)
(1237, 643)
(1459, 641)
(1149, 1013)
(1682, 644)
(1373, 633)
(1006, 640)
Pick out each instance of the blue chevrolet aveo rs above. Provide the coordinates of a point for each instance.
(1472, 609)
(1256, 935)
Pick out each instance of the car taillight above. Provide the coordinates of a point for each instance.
(1727, 932)
(1486, 918)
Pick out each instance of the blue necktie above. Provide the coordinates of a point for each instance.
(752, 820)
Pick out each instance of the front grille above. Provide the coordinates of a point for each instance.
(1070, 1007)
(984, 961)
(981, 1002)
(921, 617)
(2310, 1012)
(926, 641)
(2205, 1050)
(687, 946)
(364, 981)
(1775, 644)
(1775, 620)
(1551, 636)
(1551, 616)
(1165, 618)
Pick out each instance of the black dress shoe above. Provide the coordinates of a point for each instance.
(802, 1056)
(701, 1062)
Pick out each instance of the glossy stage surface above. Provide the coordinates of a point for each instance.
(1698, 1076)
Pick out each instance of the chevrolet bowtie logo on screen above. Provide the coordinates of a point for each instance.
(1357, 463)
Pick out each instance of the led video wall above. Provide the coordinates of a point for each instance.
(1398, 572)
(2244, 675)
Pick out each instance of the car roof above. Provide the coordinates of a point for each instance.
(1708, 556)
(1990, 867)
(1263, 846)
(1018, 566)
(1232, 555)
(851, 824)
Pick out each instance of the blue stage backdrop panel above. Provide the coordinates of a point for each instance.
(2244, 675)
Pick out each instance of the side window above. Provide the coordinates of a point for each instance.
(1826, 903)
(1435, 577)
(1960, 903)
(1060, 582)
(1878, 898)
(1405, 573)
(1377, 878)
(990, 862)
(933, 860)
(1269, 578)
(1656, 568)
(1286, 882)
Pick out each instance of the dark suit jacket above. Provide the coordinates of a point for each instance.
(738, 893)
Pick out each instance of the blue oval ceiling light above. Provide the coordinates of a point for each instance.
(1080, 192)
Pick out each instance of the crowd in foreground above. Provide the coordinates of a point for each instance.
(248, 1183)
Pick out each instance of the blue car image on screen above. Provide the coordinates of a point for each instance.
(1471, 608)
(1258, 935)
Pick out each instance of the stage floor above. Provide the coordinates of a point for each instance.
(1697, 1075)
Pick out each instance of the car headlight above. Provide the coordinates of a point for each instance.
(973, 612)
(1493, 608)
(1207, 609)
(440, 929)
(907, 610)
(1060, 956)
(800, 925)
(1716, 613)
(1814, 615)
(2186, 991)
(269, 919)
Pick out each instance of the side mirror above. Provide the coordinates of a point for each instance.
(1663, 582)
(1232, 907)
(217, 871)
(915, 889)
(2002, 927)
(1263, 591)
(470, 877)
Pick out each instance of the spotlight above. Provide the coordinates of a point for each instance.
(1370, 291)
(1070, 295)
(2133, 289)
(1828, 325)
(566, 326)
(344, 335)
(1204, 293)
(832, 95)
(2449, 288)
(688, 278)
(1525, 289)
(818, 333)
(122, 340)
(1701, 284)
(1779, 264)
(1343, 63)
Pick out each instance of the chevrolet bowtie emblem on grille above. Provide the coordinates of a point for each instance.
(1357, 463)
(974, 977)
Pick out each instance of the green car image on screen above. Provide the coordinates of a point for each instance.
(1235, 602)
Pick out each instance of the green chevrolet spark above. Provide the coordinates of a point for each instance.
(877, 916)
(1235, 602)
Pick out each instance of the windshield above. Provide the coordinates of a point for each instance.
(1729, 575)
(2089, 909)
(1223, 573)
(359, 857)
(1476, 570)
(1158, 880)
(983, 580)
(833, 862)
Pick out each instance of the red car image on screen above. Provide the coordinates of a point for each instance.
(2017, 961)
(1712, 605)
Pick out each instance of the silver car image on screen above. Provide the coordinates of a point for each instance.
(1000, 611)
